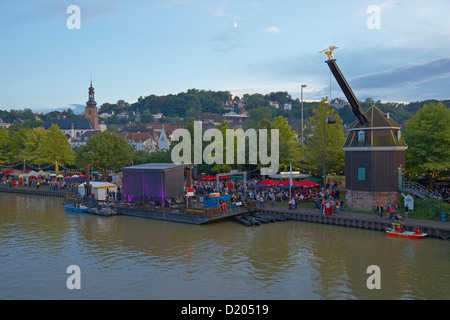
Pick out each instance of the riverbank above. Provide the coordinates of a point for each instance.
(42, 191)
(433, 228)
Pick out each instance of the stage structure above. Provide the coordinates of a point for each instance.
(374, 153)
(154, 182)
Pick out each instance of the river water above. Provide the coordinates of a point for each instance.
(125, 257)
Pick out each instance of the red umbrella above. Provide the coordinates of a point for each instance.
(81, 176)
(286, 182)
(208, 178)
(31, 177)
(308, 184)
(270, 182)
(12, 171)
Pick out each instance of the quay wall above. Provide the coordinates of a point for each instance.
(358, 222)
(38, 192)
(159, 215)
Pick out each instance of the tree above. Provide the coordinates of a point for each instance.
(34, 146)
(289, 148)
(56, 148)
(324, 149)
(17, 145)
(4, 146)
(107, 152)
(428, 138)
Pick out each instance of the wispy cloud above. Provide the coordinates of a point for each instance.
(405, 75)
(272, 29)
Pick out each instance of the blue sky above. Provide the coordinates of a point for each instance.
(136, 48)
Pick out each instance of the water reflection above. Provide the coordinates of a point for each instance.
(133, 258)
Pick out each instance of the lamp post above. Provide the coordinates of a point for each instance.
(303, 86)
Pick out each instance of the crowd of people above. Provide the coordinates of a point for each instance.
(326, 199)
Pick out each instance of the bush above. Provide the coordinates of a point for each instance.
(429, 209)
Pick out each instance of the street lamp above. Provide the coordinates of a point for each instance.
(303, 86)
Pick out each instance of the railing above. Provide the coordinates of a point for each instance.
(420, 191)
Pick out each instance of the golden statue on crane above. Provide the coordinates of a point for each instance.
(329, 52)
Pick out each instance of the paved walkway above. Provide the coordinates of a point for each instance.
(365, 216)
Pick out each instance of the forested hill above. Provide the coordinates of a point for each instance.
(192, 103)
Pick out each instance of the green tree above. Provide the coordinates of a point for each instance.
(4, 146)
(56, 147)
(289, 148)
(428, 139)
(17, 145)
(107, 152)
(34, 146)
(324, 149)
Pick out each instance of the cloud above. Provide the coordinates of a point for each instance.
(272, 29)
(405, 75)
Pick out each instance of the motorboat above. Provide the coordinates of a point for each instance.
(397, 230)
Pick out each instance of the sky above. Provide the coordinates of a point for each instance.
(389, 50)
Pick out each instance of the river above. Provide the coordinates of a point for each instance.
(124, 257)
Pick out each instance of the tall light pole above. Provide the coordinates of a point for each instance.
(303, 86)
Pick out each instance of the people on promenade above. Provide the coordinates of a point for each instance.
(379, 210)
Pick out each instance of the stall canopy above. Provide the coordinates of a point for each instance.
(99, 189)
(269, 182)
(208, 178)
(286, 183)
(308, 184)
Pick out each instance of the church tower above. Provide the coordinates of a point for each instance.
(91, 111)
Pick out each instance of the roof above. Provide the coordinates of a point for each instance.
(376, 119)
(136, 136)
(66, 124)
(155, 166)
(98, 185)
(379, 132)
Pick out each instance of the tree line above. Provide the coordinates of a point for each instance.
(427, 135)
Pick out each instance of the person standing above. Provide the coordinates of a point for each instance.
(379, 210)
(406, 210)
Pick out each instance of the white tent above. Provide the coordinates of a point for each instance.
(99, 189)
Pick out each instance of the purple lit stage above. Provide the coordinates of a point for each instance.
(153, 182)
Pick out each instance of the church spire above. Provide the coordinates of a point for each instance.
(91, 102)
(91, 112)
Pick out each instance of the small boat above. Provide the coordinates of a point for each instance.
(102, 211)
(76, 208)
(397, 230)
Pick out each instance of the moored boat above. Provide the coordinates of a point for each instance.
(398, 230)
(76, 208)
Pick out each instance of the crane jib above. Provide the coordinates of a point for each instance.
(354, 103)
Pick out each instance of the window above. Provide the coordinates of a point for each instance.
(361, 136)
(361, 174)
(399, 135)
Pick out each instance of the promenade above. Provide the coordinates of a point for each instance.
(434, 228)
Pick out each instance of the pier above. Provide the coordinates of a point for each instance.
(370, 221)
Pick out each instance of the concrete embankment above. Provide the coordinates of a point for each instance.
(34, 191)
(434, 229)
